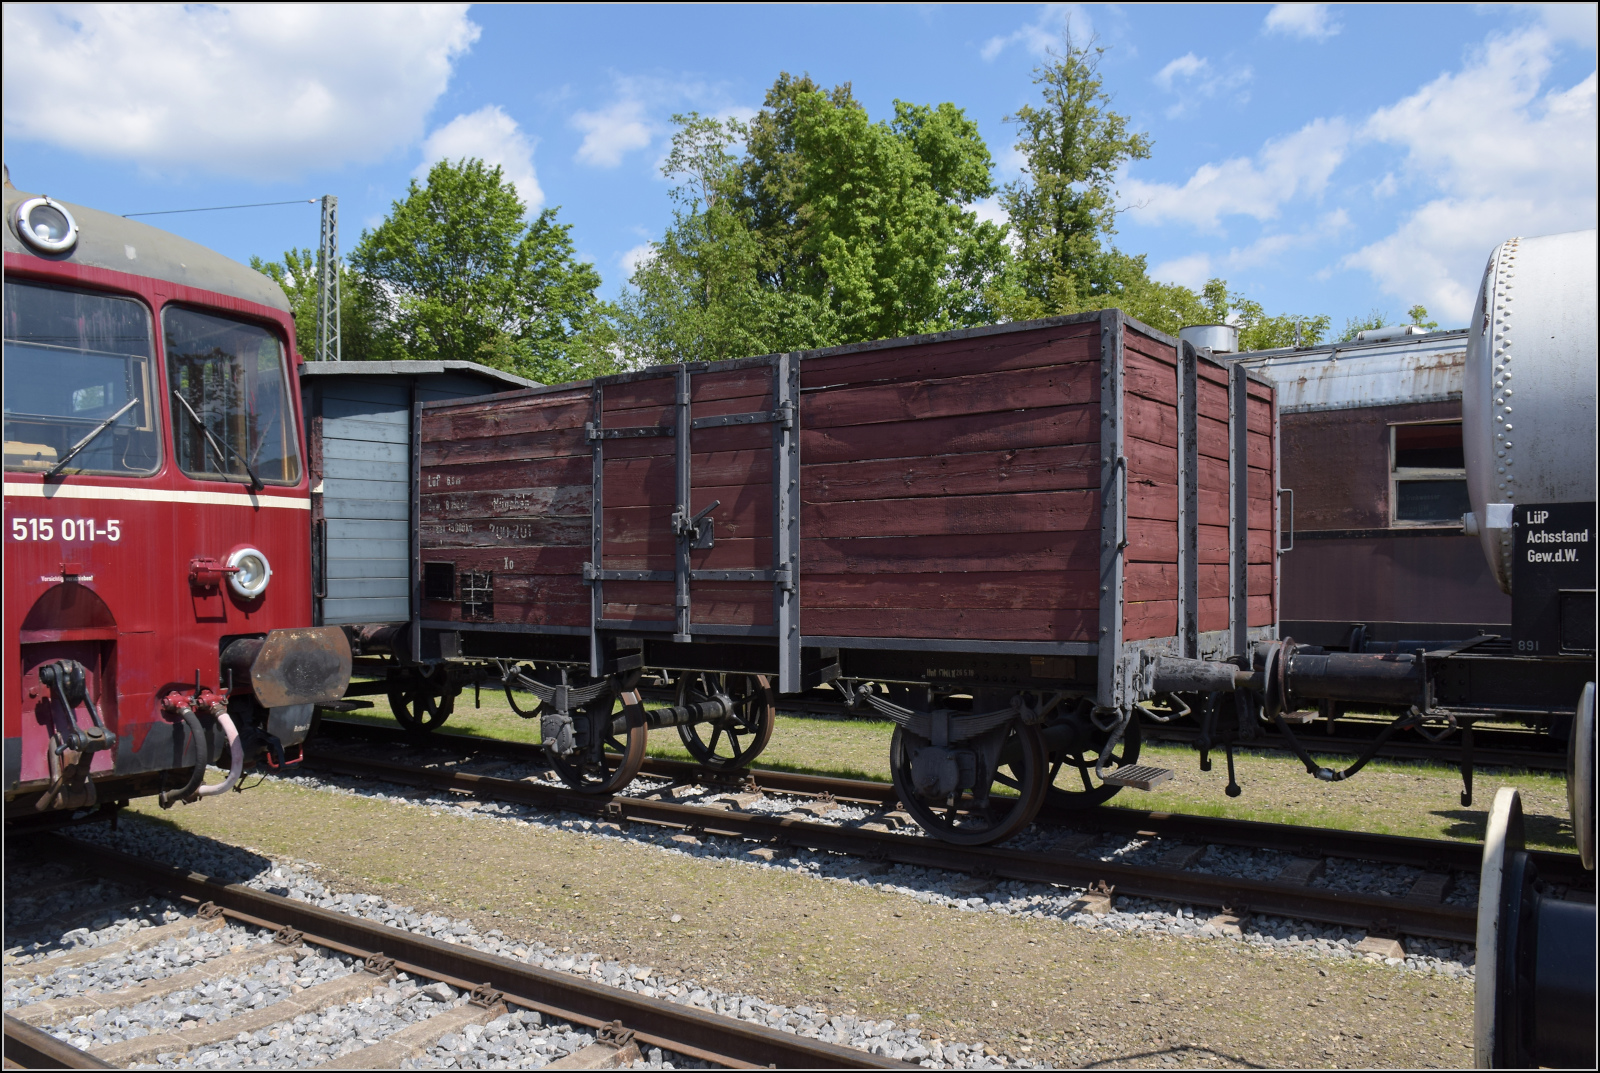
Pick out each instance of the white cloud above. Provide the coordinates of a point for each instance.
(1506, 155)
(1305, 21)
(1191, 271)
(1195, 79)
(990, 211)
(613, 132)
(250, 90)
(1186, 66)
(1296, 166)
(632, 259)
(1044, 33)
(493, 137)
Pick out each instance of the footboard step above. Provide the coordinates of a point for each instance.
(1138, 777)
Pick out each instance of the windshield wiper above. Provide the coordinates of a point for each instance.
(219, 447)
(81, 444)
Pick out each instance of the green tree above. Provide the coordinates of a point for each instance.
(1064, 207)
(297, 274)
(1353, 326)
(457, 272)
(813, 226)
(1419, 316)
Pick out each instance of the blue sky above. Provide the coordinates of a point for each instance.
(1321, 158)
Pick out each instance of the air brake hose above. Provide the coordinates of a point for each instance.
(236, 763)
(198, 775)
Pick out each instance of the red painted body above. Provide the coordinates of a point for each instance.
(97, 567)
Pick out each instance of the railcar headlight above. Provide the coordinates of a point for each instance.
(250, 573)
(46, 225)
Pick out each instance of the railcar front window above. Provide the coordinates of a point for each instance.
(232, 418)
(79, 373)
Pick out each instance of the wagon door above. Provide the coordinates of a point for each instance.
(695, 468)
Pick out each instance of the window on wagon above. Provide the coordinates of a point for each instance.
(232, 419)
(1428, 474)
(79, 383)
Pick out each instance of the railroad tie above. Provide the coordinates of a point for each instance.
(613, 1048)
(1430, 888)
(53, 1011)
(84, 955)
(1302, 870)
(1179, 858)
(414, 1040)
(336, 992)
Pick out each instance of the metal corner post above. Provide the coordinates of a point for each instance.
(682, 566)
(597, 530)
(1277, 514)
(786, 519)
(416, 525)
(1188, 501)
(1238, 511)
(1113, 509)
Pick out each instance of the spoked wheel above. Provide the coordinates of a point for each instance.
(1004, 799)
(422, 701)
(1075, 745)
(733, 740)
(620, 753)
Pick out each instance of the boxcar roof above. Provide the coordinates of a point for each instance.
(503, 380)
(1346, 376)
(109, 241)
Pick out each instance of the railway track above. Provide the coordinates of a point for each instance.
(1293, 894)
(616, 1022)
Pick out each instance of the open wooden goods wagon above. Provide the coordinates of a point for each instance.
(1020, 515)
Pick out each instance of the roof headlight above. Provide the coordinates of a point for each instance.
(46, 225)
(250, 573)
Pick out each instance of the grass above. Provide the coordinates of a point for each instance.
(1397, 797)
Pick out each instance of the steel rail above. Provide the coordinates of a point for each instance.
(711, 1037)
(1427, 853)
(32, 1048)
(1379, 915)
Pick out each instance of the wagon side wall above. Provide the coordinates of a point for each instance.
(1150, 445)
(505, 490)
(950, 490)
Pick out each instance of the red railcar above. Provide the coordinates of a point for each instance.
(1012, 518)
(156, 504)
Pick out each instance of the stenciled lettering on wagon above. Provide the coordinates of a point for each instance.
(451, 527)
(435, 479)
(513, 532)
(512, 502)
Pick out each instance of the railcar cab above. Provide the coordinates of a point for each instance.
(157, 601)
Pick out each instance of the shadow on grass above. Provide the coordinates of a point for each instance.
(1539, 831)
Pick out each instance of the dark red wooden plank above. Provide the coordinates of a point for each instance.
(548, 444)
(952, 435)
(1023, 551)
(1072, 384)
(1030, 512)
(1043, 469)
(491, 419)
(1149, 461)
(572, 499)
(1062, 624)
(661, 553)
(526, 473)
(1016, 590)
(551, 530)
(1156, 422)
(1150, 581)
(1144, 620)
(956, 357)
(1150, 379)
(563, 561)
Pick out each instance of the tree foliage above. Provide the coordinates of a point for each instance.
(813, 226)
(456, 271)
(298, 274)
